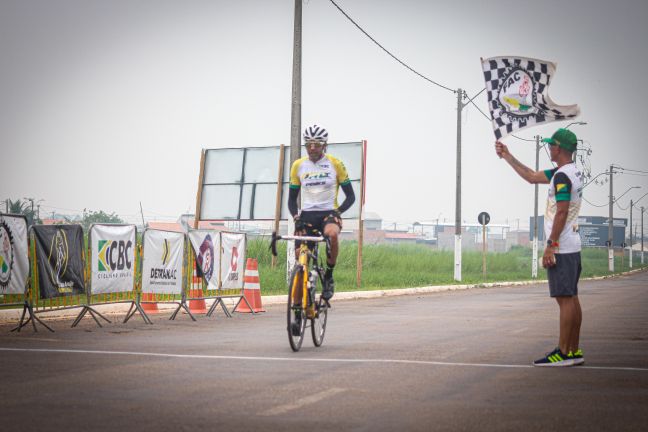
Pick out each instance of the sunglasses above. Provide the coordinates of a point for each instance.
(316, 144)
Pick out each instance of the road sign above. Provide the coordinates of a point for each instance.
(483, 218)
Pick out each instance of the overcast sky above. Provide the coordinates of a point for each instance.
(104, 104)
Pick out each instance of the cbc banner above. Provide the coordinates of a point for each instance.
(112, 258)
(206, 246)
(14, 261)
(163, 259)
(59, 255)
(233, 260)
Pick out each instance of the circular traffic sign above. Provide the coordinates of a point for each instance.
(483, 218)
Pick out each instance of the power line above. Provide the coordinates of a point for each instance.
(390, 54)
(594, 205)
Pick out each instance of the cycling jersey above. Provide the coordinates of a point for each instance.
(319, 182)
(565, 185)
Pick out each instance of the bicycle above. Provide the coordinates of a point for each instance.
(308, 276)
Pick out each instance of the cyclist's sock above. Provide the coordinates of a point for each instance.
(329, 271)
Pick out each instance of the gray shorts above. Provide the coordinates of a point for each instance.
(563, 277)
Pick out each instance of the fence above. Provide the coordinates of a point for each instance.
(113, 267)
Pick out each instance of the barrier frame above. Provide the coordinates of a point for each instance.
(218, 294)
(27, 307)
(179, 299)
(132, 297)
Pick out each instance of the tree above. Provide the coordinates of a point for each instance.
(25, 208)
(90, 217)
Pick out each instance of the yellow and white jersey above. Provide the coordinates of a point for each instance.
(319, 182)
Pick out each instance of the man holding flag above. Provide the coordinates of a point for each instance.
(561, 257)
(518, 97)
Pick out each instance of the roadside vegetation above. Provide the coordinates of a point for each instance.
(405, 266)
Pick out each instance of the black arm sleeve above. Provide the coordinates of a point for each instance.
(292, 200)
(349, 198)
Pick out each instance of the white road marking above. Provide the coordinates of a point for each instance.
(521, 330)
(306, 400)
(307, 359)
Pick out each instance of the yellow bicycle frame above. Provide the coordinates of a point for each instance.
(303, 261)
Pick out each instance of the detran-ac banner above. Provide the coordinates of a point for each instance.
(112, 249)
(162, 267)
(59, 255)
(233, 260)
(206, 246)
(14, 261)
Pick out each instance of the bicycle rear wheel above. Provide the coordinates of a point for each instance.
(295, 314)
(318, 323)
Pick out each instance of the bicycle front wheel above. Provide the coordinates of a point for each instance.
(296, 314)
(318, 323)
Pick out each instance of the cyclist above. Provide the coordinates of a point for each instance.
(318, 176)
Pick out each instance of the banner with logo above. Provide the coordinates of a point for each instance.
(206, 246)
(112, 250)
(59, 256)
(163, 260)
(233, 260)
(518, 94)
(14, 258)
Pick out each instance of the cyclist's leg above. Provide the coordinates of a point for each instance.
(332, 228)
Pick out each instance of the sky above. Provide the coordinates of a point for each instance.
(104, 105)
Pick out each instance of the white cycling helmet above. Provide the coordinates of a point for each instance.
(315, 133)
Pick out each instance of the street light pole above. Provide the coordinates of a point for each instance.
(610, 228)
(642, 236)
(631, 237)
(457, 248)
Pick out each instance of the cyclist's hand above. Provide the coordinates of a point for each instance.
(300, 226)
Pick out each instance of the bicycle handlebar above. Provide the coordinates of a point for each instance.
(276, 237)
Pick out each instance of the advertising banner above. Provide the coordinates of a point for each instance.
(233, 260)
(206, 245)
(59, 256)
(14, 259)
(112, 258)
(163, 259)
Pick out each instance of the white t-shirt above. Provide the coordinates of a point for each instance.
(565, 185)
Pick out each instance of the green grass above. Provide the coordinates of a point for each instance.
(404, 266)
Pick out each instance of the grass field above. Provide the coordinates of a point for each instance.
(404, 266)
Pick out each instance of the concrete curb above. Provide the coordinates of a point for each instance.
(13, 315)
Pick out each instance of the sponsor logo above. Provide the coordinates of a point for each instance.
(163, 275)
(233, 273)
(6, 255)
(517, 95)
(560, 187)
(316, 175)
(58, 258)
(114, 255)
(206, 257)
(166, 253)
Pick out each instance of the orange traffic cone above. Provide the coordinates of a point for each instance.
(251, 288)
(198, 304)
(149, 308)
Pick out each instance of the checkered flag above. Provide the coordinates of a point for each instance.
(518, 94)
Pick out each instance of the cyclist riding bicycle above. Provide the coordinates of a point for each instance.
(319, 176)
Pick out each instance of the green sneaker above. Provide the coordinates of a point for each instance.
(577, 357)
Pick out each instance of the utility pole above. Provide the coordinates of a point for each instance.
(457, 250)
(610, 226)
(631, 236)
(295, 118)
(642, 236)
(534, 258)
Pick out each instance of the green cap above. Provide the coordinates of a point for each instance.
(563, 138)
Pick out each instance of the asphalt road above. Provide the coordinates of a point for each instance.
(448, 361)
